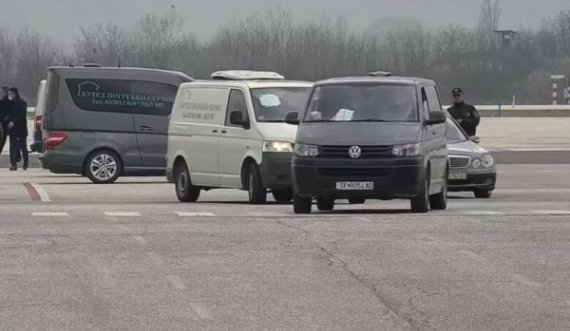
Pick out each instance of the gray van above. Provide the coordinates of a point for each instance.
(371, 138)
(106, 122)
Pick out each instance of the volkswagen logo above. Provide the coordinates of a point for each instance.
(355, 152)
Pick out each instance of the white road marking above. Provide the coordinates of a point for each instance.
(195, 214)
(122, 214)
(139, 240)
(176, 282)
(50, 214)
(44, 197)
(551, 212)
(473, 255)
(202, 311)
(155, 258)
(525, 280)
(481, 212)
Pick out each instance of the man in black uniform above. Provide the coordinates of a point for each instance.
(17, 129)
(4, 109)
(465, 114)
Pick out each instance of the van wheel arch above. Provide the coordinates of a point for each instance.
(178, 160)
(245, 171)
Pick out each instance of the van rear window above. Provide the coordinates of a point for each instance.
(122, 96)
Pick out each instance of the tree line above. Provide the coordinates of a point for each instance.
(475, 59)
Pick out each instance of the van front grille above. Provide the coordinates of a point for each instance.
(368, 152)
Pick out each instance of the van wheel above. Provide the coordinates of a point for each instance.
(420, 204)
(185, 191)
(257, 192)
(357, 201)
(302, 205)
(325, 204)
(439, 201)
(103, 167)
(283, 195)
(483, 194)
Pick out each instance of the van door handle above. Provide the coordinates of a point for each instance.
(146, 128)
(224, 131)
(215, 131)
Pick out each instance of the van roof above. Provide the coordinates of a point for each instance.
(379, 79)
(251, 84)
(92, 69)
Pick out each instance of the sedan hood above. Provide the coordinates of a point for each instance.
(357, 133)
(465, 147)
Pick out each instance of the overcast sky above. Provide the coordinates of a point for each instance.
(61, 19)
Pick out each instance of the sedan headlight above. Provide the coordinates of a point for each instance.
(277, 147)
(406, 150)
(476, 164)
(488, 161)
(307, 150)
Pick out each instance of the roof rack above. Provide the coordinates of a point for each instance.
(247, 75)
(380, 74)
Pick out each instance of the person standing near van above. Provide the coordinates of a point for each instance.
(17, 129)
(465, 114)
(4, 109)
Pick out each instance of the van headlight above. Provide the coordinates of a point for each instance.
(277, 147)
(406, 150)
(488, 160)
(306, 150)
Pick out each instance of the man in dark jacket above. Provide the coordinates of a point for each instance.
(4, 109)
(17, 129)
(465, 114)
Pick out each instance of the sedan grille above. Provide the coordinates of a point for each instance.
(459, 162)
(368, 152)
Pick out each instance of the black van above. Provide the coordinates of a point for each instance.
(105, 122)
(371, 138)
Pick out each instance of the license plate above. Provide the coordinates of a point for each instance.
(355, 186)
(457, 175)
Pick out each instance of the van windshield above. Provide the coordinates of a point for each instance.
(363, 103)
(272, 104)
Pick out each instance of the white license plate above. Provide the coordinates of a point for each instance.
(355, 186)
(457, 175)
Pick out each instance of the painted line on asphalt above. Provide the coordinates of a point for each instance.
(44, 197)
(481, 212)
(551, 212)
(139, 240)
(176, 282)
(50, 214)
(202, 311)
(195, 214)
(525, 281)
(34, 195)
(155, 258)
(122, 214)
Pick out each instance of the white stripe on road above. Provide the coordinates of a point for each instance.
(50, 214)
(481, 212)
(195, 214)
(122, 214)
(44, 197)
(202, 311)
(551, 212)
(176, 282)
(139, 240)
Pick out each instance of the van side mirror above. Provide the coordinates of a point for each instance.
(292, 118)
(436, 117)
(236, 118)
(475, 139)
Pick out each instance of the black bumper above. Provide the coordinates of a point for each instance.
(474, 181)
(275, 170)
(169, 176)
(62, 163)
(392, 178)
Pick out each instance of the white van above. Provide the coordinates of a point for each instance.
(230, 132)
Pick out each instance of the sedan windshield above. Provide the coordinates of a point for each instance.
(272, 104)
(363, 103)
(454, 132)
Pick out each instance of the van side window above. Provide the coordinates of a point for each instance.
(433, 98)
(236, 102)
(122, 96)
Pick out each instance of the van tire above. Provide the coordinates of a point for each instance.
(420, 204)
(439, 201)
(325, 204)
(257, 192)
(302, 205)
(356, 201)
(103, 166)
(185, 191)
(283, 195)
(483, 193)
